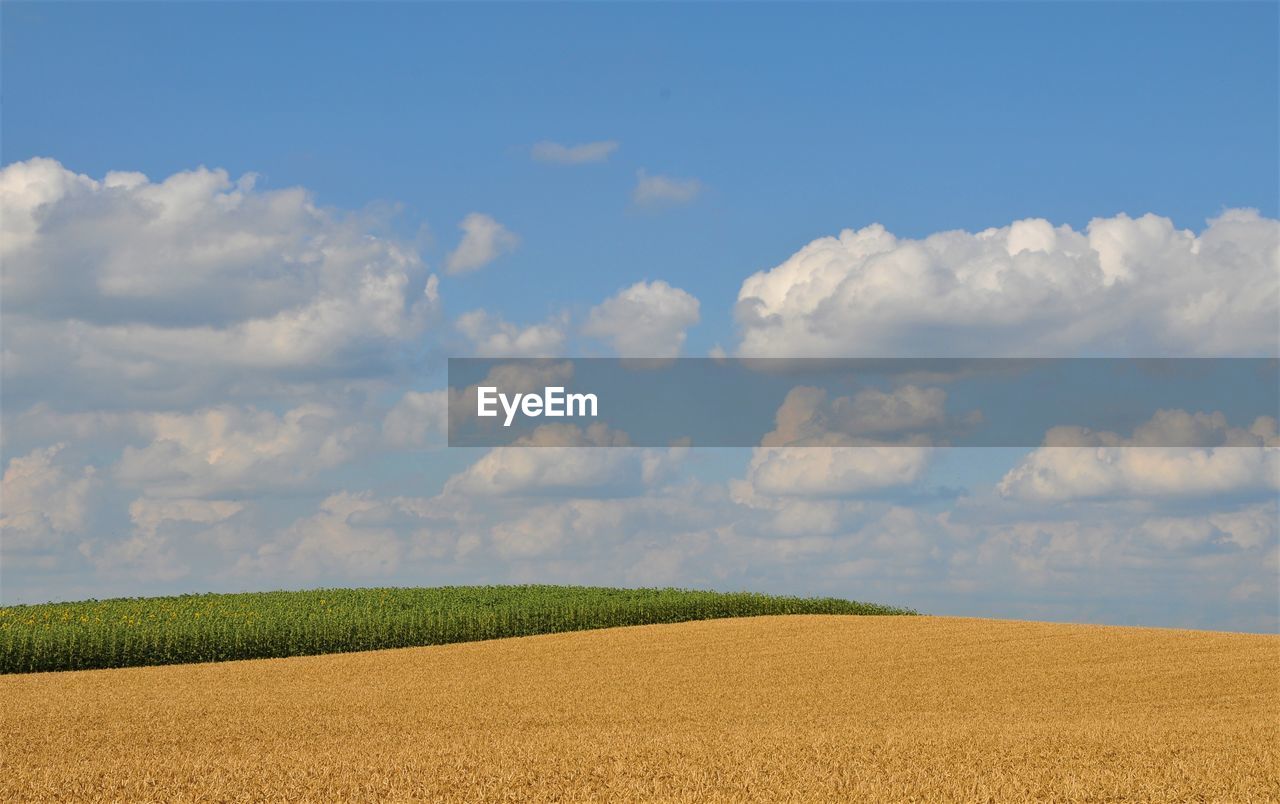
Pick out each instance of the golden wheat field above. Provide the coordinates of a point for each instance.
(793, 708)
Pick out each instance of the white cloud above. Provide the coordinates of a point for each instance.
(149, 514)
(416, 418)
(648, 319)
(483, 241)
(565, 459)
(632, 541)
(42, 499)
(1082, 465)
(907, 415)
(195, 251)
(556, 153)
(1124, 286)
(229, 449)
(492, 336)
(627, 541)
(1128, 562)
(123, 285)
(1173, 427)
(338, 540)
(540, 531)
(829, 472)
(1244, 529)
(824, 452)
(659, 190)
(148, 553)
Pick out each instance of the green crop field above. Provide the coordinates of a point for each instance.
(211, 628)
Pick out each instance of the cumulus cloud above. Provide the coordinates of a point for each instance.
(149, 514)
(195, 249)
(343, 538)
(1173, 427)
(43, 498)
(229, 449)
(1125, 286)
(483, 241)
(493, 336)
(1077, 464)
(150, 553)
(416, 419)
(621, 540)
(909, 415)
(1249, 528)
(822, 451)
(1125, 564)
(659, 191)
(558, 154)
(630, 539)
(123, 284)
(831, 472)
(552, 460)
(648, 319)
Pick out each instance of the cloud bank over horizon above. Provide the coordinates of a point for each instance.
(209, 384)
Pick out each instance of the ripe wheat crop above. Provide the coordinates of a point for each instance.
(209, 628)
(769, 709)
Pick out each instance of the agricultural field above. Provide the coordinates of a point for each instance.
(210, 628)
(795, 708)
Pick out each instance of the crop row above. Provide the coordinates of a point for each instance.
(219, 627)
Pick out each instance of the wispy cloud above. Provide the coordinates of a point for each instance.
(483, 241)
(659, 190)
(556, 153)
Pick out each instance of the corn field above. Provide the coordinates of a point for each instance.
(219, 627)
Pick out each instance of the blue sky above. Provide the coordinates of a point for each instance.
(799, 119)
(210, 385)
